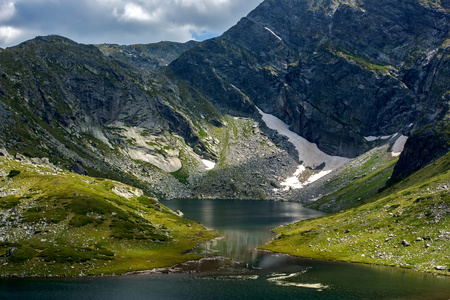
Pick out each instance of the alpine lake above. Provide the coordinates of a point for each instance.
(233, 267)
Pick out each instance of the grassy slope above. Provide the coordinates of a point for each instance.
(359, 180)
(416, 210)
(68, 225)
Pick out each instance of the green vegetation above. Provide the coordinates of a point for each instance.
(66, 224)
(430, 3)
(359, 181)
(365, 63)
(406, 225)
(181, 175)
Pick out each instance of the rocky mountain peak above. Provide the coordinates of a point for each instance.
(335, 71)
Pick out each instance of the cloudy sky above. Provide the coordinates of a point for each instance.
(119, 21)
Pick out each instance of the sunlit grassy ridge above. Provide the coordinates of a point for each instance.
(66, 224)
(406, 225)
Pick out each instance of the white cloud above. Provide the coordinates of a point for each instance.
(7, 10)
(133, 12)
(9, 35)
(122, 21)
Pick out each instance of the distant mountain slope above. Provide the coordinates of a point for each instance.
(147, 56)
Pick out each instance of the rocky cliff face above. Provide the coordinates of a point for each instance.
(424, 147)
(102, 114)
(335, 71)
(71, 103)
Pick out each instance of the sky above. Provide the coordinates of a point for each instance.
(119, 21)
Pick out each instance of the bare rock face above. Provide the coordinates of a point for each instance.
(422, 148)
(127, 192)
(72, 102)
(335, 71)
(78, 169)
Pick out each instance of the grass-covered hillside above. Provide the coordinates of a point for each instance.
(356, 181)
(55, 223)
(405, 225)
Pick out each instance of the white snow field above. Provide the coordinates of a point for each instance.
(208, 164)
(308, 152)
(399, 145)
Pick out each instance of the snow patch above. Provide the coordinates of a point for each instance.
(293, 182)
(317, 176)
(308, 152)
(208, 164)
(397, 149)
(374, 138)
(273, 33)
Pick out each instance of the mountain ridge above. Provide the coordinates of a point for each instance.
(111, 108)
(274, 62)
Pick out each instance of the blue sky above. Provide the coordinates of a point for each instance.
(119, 21)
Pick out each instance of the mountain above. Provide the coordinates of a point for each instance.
(71, 103)
(341, 74)
(146, 56)
(344, 75)
(300, 100)
(334, 71)
(103, 115)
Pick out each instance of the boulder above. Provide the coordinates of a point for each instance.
(20, 157)
(126, 192)
(36, 161)
(405, 243)
(78, 169)
(4, 152)
(11, 251)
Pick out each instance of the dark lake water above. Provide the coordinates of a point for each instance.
(246, 273)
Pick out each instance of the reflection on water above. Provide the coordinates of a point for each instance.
(243, 225)
(241, 247)
(248, 273)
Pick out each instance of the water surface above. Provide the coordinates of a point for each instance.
(247, 273)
